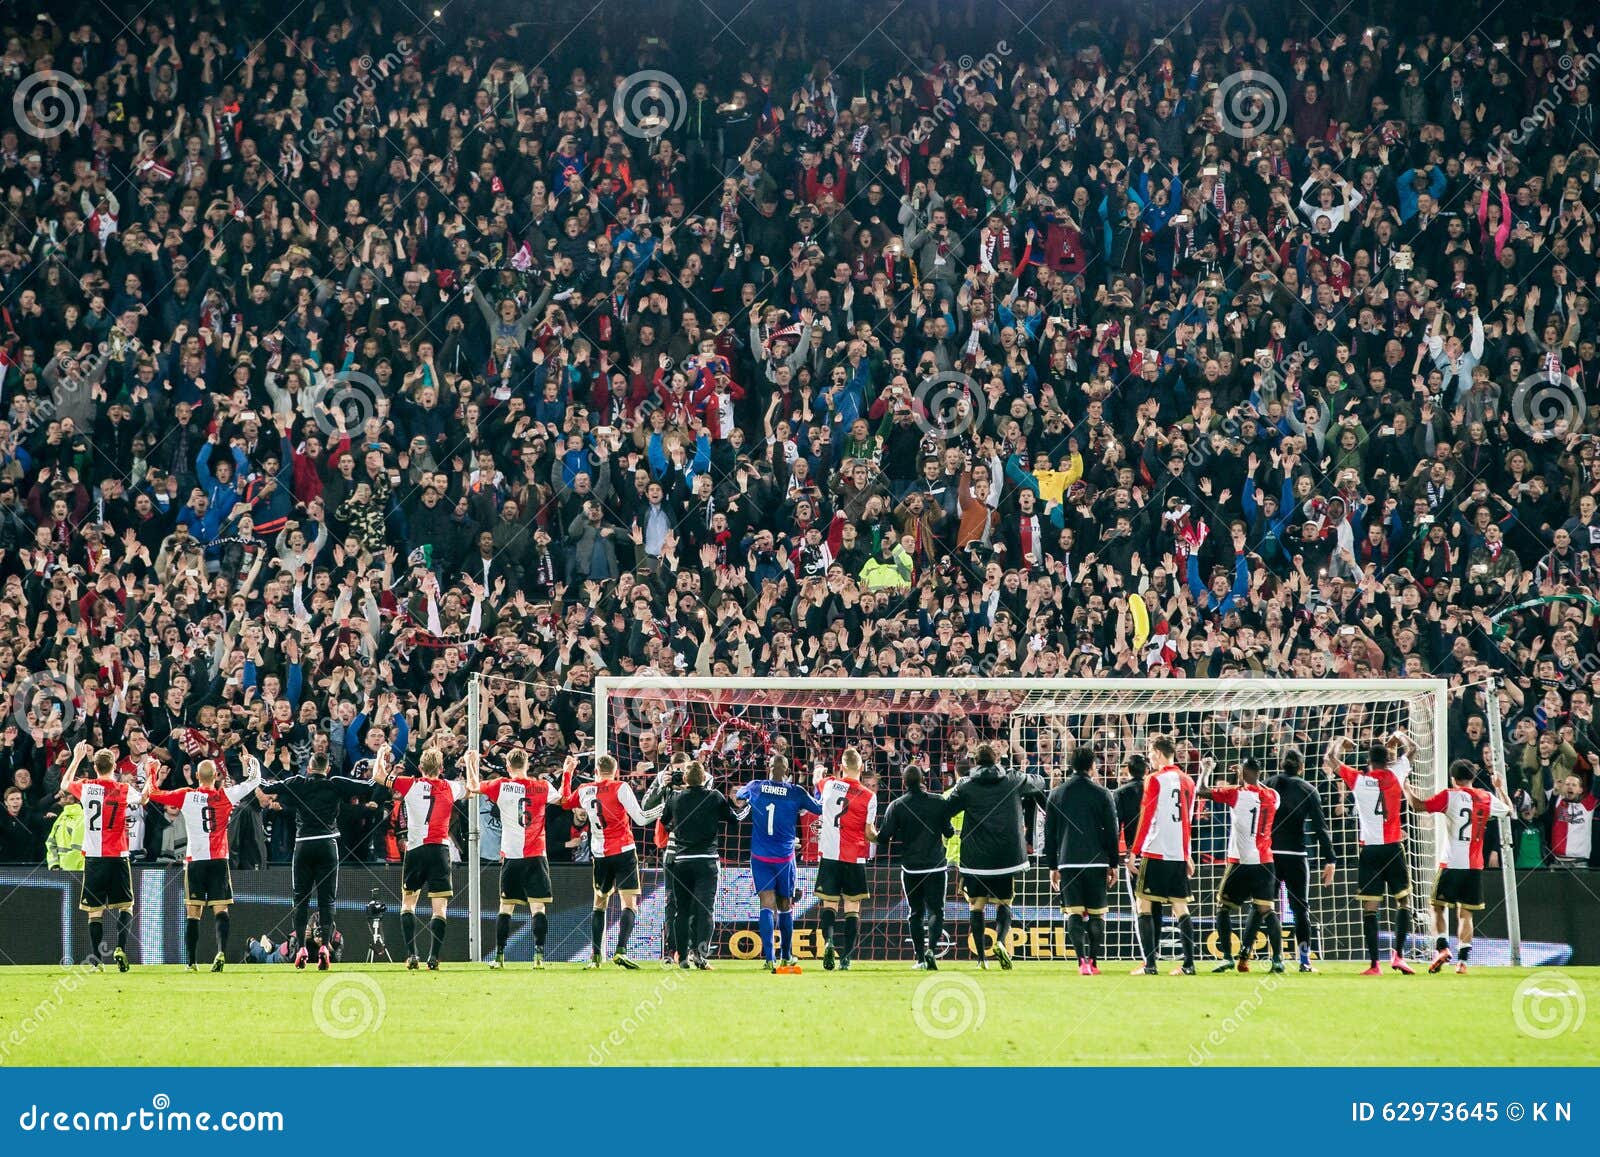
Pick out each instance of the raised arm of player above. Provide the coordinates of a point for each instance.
(1333, 761)
(251, 781)
(471, 763)
(569, 798)
(80, 752)
(1202, 788)
(1501, 798)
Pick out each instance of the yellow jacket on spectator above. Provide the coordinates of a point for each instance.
(63, 848)
(886, 574)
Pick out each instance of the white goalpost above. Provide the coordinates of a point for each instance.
(733, 724)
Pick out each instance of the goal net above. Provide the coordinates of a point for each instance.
(733, 725)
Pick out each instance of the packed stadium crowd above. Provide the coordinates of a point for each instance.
(346, 355)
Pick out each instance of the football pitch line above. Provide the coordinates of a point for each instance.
(876, 1014)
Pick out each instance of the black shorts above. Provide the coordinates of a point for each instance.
(525, 881)
(998, 889)
(618, 873)
(207, 882)
(1382, 868)
(1162, 881)
(1248, 884)
(924, 890)
(427, 869)
(1084, 888)
(107, 883)
(837, 880)
(1459, 887)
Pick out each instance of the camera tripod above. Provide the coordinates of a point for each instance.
(376, 948)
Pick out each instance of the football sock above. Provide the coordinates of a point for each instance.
(852, 925)
(1186, 935)
(625, 930)
(1275, 934)
(766, 935)
(1147, 937)
(541, 925)
(1466, 951)
(191, 938)
(1369, 932)
(502, 931)
(223, 924)
(786, 934)
(1440, 943)
(124, 922)
(408, 932)
(437, 924)
(919, 942)
(1252, 929)
(1002, 925)
(97, 936)
(979, 941)
(1225, 932)
(1097, 936)
(597, 930)
(828, 917)
(1402, 928)
(1075, 930)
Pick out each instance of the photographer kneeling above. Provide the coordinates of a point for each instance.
(694, 819)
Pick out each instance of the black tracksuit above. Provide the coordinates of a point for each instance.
(694, 818)
(920, 822)
(992, 798)
(1080, 825)
(1299, 813)
(314, 800)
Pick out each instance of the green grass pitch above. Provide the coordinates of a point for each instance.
(876, 1014)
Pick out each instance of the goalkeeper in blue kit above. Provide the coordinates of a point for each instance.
(775, 808)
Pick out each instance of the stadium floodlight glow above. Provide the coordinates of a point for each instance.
(1038, 722)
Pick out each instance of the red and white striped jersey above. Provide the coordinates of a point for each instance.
(1250, 825)
(847, 809)
(1466, 811)
(1572, 827)
(105, 816)
(612, 810)
(1380, 804)
(521, 804)
(1165, 813)
(427, 801)
(205, 813)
